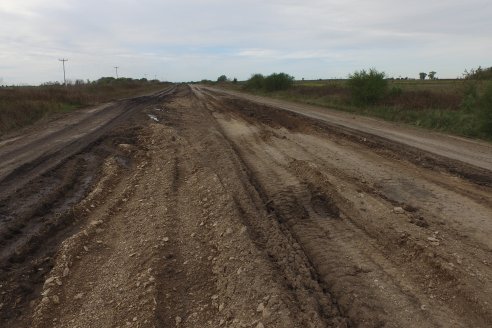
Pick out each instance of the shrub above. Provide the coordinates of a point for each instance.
(278, 81)
(367, 87)
(478, 74)
(470, 96)
(485, 114)
(222, 78)
(255, 82)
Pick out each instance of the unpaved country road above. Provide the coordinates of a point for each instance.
(49, 144)
(473, 152)
(228, 213)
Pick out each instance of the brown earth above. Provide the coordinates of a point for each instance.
(194, 208)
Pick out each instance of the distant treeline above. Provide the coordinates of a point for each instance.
(106, 80)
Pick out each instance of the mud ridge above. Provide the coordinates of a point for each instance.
(45, 212)
(277, 117)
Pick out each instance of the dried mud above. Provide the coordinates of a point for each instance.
(205, 210)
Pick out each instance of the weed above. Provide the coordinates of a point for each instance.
(367, 87)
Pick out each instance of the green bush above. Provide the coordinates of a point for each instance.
(278, 81)
(222, 78)
(485, 107)
(273, 82)
(470, 96)
(255, 82)
(367, 87)
(478, 74)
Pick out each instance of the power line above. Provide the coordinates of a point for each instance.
(116, 68)
(63, 61)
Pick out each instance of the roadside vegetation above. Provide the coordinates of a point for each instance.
(24, 105)
(460, 106)
(270, 83)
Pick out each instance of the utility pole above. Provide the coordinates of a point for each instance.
(63, 61)
(116, 68)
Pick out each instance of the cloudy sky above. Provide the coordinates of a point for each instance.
(195, 39)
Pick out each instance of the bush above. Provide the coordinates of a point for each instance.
(470, 96)
(255, 82)
(222, 78)
(485, 114)
(273, 82)
(367, 87)
(278, 81)
(478, 74)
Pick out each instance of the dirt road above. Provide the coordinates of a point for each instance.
(465, 150)
(204, 209)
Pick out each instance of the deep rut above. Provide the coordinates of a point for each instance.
(368, 246)
(212, 211)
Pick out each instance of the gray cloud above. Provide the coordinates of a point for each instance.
(192, 39)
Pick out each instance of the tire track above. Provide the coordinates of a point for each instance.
(367, 262)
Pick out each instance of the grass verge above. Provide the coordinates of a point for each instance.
(457, 107)
(25, 105)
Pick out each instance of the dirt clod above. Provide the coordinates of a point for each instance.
(223, 212)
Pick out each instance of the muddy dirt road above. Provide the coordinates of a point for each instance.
(205, 209)
(465, 150)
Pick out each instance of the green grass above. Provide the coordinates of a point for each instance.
(21, 106)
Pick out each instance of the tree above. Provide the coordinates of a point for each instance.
(367, 87)
(432, 75)
(234, 80)
(422, 75)
(278, 81)
(222, 78)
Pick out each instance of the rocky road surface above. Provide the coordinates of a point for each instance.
(200, 208)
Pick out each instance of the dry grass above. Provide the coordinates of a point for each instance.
(21, 106)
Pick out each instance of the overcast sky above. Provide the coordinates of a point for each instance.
(195, 39)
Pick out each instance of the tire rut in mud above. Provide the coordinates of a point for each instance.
(259, 228)
(275, 117)
(331, 227)
(38, 200)
(41, 214)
